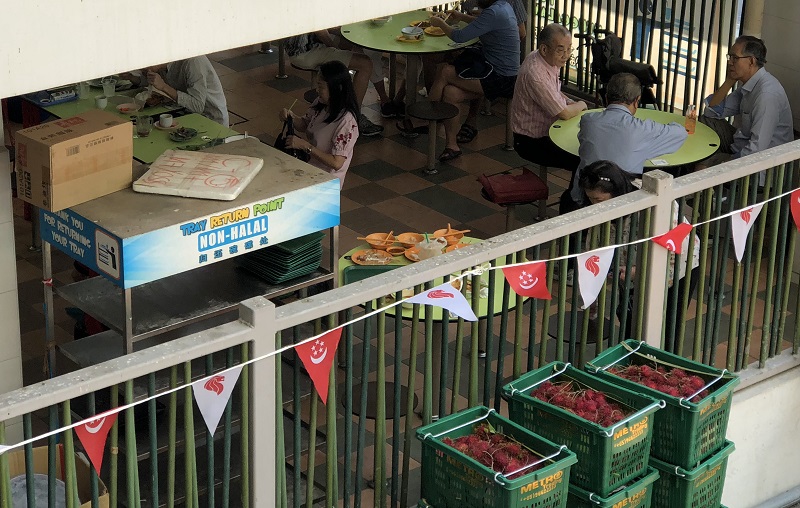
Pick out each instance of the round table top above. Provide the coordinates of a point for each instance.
(698, 146)
(407, 310)
(385, 38)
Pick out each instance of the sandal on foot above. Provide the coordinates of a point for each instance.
(466, 134)
(449, 154)
(409, 131)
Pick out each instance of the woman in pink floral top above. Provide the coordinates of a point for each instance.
(330, 125)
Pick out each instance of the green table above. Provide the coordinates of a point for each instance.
(76, 107)
(698, 146)
(384, 38)
(148, 149)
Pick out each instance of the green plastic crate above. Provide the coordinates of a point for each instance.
(451, 479)
(637, 494)
(608, 457)
(685, 432)
(700, 487)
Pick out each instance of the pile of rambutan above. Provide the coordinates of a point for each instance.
(589, 404)
(497, 451)
(672, 381)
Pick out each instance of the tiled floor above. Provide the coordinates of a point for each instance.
(385, 189)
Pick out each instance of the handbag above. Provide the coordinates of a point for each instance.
(280, 141)
(471, 64)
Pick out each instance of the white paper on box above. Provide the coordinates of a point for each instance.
(199, 175)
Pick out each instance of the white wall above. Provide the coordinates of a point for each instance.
(46, 43)
(781, 34)
(765, 427)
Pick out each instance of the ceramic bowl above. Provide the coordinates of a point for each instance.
(380, 241)
(409, 240)
(412, 32)
(380, 21)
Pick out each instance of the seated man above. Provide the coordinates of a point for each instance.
(491, 73)
(616, 135)
(538, 100)
(760, 104)
(192, 83)
(311, 50)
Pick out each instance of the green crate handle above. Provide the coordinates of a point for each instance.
(476, 420)
(610, 432)
(514, 390)
(630, 352)
(501, 475)
(683, 399)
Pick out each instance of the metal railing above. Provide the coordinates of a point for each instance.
(406, 365)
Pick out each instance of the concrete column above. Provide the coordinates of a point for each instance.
(660, 184)
(260, 314)
(10, 350)
(753, 18)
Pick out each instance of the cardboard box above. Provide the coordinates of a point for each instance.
(16, 466)
(66, 162)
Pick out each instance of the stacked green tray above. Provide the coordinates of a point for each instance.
(636, 494)
(291, 259)
(700, 487)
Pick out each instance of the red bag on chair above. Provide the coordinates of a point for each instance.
(505, 188)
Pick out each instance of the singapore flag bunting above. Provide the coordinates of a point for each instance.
(673, 239)
(317, 356)
(212, 394)
(446, 297)
(592, 270)
(528, 280)
(93, 437)
(795, 207)
(741, 223)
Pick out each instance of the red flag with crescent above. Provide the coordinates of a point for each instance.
(528, 280)
(673, 239)
(317, 356)
(93, 437)
(212, 393)
(795, 207)
(592, 270)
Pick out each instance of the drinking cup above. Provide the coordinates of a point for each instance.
(83, 90)
(144, 124)
(109, 87)
(165, 120)
(691, 119)
(430, 248)
(101, 101)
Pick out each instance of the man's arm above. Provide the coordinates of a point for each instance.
(194, 98)
(722, 104)
(720, 93)
(572, 110)
(658, 139)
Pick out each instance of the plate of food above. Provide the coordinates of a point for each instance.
(182, 134)
(175, 125)
(434, 31)
(412, 254)
(122, 84)
(371, 257)
(128, 107)
(420, 24)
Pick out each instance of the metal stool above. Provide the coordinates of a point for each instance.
(537, 190)
(433, 112)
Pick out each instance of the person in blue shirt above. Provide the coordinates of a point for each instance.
(491, 74)
(616, 135)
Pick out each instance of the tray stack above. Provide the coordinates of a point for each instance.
(287, 260)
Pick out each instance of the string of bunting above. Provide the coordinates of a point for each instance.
(318, 352)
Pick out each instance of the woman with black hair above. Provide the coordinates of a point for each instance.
(604, 180)
(331, 123)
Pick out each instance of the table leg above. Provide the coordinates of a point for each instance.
(412, 72)
(431, 148)
(392, 75)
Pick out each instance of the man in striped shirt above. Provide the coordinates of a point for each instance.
(538, 100)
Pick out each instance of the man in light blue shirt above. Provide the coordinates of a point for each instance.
(760, 104)
(615, 134)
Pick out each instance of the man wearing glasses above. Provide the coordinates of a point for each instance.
(759, 104)
(538, 100)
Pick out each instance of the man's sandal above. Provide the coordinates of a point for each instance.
(466, 134)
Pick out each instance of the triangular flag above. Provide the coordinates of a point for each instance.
(317, 356)
(673, 239)
(741, 222)
(592, 270)
(528, 280)
(795, 207)
(446, 297)
(212, 394)
(93, 437)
